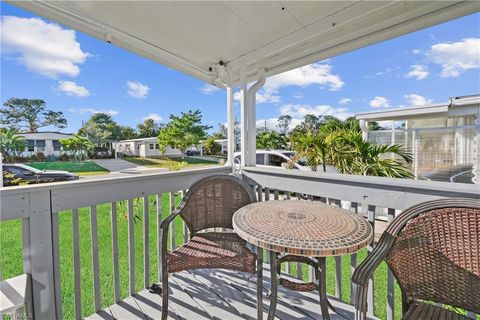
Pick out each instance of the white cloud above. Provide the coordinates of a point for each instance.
(344, 101)
(300, 111)
(93, 111)
(416, 100)
(153, 116)
(456, 57)
(418, 71)
(44, 48)
(315, 73)
(416, 51)
(73, 89)
(272, 123)
(137, 90)
(262, 96)
(209, 89)
(379, 102)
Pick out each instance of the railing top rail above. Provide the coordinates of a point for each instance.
(379, 191)
(16, 202)
(106, 181)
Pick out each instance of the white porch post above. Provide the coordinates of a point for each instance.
(243, 116)
(230, 126)
(252, 123)
(364, 127)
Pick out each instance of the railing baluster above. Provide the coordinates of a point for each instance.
(159, 248)
(371, 294)
(259, 193)
(353, 260)
(116, 273)
(299, 265)
(146, 245)
(276, 194)
(76, 266)
(267, 194)
(288, 266)
(171, 229)
(131, 248)
(390, 280)
(95, 260)
(338, 263)
(185, 228)
(27, 262)
(56, 265)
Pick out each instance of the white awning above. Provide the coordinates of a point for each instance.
(193, 37)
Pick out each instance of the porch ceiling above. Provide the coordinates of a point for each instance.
(275, 35)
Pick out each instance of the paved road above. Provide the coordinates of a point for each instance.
(121, 168)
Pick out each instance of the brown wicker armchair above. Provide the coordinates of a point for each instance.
(211, 203)
(433, 249)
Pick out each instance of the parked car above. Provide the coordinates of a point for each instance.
(30, 175)
(462, 173)
(275, 158)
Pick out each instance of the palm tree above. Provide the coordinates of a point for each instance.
(11, 145)
(366, 158)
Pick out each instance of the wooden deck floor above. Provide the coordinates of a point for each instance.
(219, 294)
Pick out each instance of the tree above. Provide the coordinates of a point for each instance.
(11, 145)
(271, 140)
(366, 158)
(283, 123)
(30, 115)
(183, 131)
(125, 133)
(78, 145)
(99, 127)
(149, 128)
(314, 147)
(211, 146)
(221, 133)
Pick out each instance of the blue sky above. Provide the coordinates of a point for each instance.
(78, 75)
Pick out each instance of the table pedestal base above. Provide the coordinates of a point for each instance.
(319, 283)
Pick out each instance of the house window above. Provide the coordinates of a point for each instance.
(150, 146)
(30, 145)
(57, 146)
(156, 146)
(40, 144)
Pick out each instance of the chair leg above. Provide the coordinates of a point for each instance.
(164, 295)
(259, 283)
(322, 287)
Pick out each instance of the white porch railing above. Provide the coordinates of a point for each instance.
(39, 206)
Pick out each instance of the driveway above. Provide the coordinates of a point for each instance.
(116, 166)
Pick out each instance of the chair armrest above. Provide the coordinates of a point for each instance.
(365, 271)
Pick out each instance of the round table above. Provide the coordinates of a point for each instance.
(304, 231)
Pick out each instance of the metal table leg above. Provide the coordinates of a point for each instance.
(321, 276)
(274, 279)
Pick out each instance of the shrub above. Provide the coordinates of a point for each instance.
(39, 157)
(52, 158)
(174, 165)
(64, 157)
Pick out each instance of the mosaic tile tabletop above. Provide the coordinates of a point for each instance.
(302, 227)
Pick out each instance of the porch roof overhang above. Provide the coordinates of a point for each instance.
(458, 106)
(275, 36)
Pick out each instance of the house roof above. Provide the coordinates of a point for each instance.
(456, 106)
(195, 37)
(149, 139)
(45, 134)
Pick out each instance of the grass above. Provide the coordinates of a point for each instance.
(12, 265)
(170, 163)
(79, 167)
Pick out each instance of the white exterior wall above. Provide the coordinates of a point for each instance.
(141, 148)
(48, 137)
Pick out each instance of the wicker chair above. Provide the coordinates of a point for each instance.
(433, 249)
(211, 203)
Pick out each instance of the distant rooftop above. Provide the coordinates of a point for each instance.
(461, 105)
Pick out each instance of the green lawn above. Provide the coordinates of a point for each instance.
(78, 167)
(170, 163)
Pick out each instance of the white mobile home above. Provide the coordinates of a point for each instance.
(443, 138)
(47, 142)
(145, 148)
